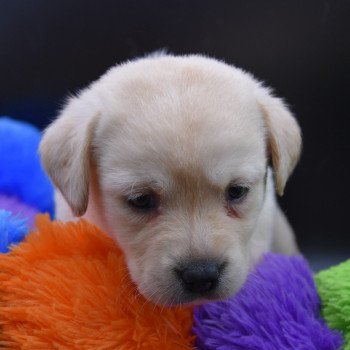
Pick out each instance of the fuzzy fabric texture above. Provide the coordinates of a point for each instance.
(12, 229)
(277, 308)
(67, 287)
(21, 175)
(333, 287)
(15, 206)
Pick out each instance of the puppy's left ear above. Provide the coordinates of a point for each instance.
(283, 136)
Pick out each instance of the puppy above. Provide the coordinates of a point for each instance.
(170, 156)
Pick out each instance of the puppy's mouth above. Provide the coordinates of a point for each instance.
(192, 299)
(184, 297)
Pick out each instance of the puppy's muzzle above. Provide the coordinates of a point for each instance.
(200, 276)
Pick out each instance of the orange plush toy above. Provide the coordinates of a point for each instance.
(67, 287)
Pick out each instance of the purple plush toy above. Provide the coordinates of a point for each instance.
(16, 206)
(277, 309)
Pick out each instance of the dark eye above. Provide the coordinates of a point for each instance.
(235, 192)
(145, 202)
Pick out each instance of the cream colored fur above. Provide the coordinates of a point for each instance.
(185, 128)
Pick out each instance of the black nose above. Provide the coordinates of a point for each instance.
(200, 276)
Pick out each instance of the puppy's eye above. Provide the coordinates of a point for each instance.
(144, 202)
(235, 192)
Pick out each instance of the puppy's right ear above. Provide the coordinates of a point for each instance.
(65, 151)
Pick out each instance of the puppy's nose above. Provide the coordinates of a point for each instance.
(200, 276)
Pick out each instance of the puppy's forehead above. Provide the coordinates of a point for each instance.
(176, 113)
(184, 86)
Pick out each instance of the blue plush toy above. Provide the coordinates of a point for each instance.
(25, 190)
(12, 229)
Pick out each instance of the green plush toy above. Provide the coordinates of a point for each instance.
(333, 287)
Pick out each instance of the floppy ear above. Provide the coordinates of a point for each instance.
(283, 135)
(65, 151)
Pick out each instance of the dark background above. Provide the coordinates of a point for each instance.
(49, 49)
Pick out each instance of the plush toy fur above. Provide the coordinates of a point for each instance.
(12, 229)
(67, 287)
(334, 289)
(24, 187)
(277, 309)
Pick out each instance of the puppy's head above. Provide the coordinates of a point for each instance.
(179, 148)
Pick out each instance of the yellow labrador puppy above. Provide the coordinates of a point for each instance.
(170, 156)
